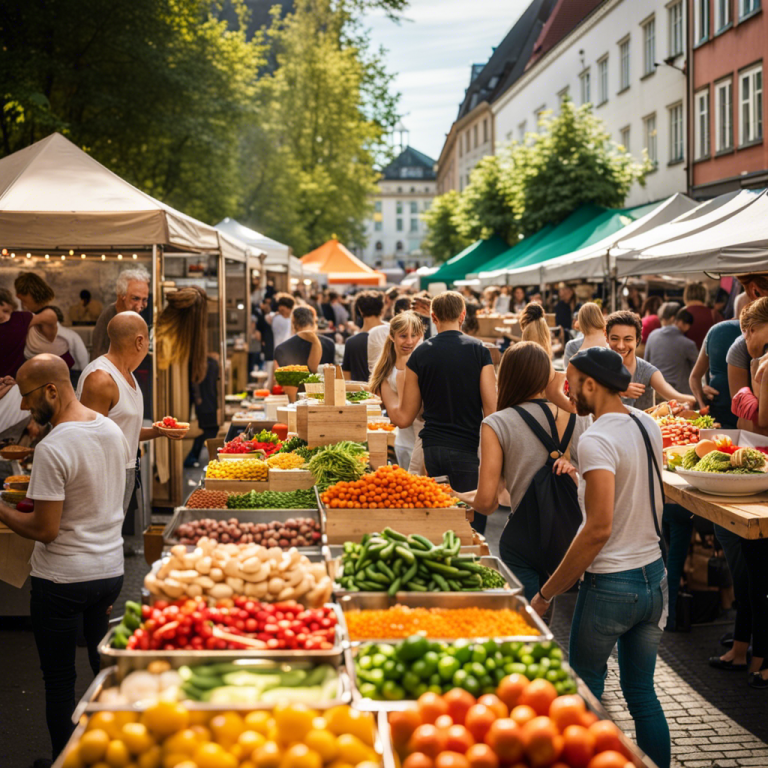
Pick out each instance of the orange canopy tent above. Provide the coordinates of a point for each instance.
(341, 266)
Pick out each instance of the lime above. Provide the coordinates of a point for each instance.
(498, 675)
(551, 675)
(387, 650)
(378, 660)
(411, 681)
(447, 667)
(435, 689)
(491, 646)
(392, 691)
(471, 684)
(527, 659)
(420, 689)
(477, 670)
(490, 665)
(435, 679)
(389, 668)
(479, 654)
(412, 648)
(364, 662)
(420, 668)
(431, 658)
(533, 670)
(368, 690)
(463, 650)
(459, 677)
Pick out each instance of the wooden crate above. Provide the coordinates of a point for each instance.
(327, 424)
(287, 416)
(235, 486)
(278, 480)
(350, 524)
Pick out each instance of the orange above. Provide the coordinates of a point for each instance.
(418, 760)
(431, 706)
(73, 759)
(267, 755)
(323, 742)
(510, 688)
(106, 721)
(608, 759)
(212, 755)
(607, 736)
(505, 738)
(93, 745)
(578, 746)
(165, 718)
(427, 739)
(495, 703)
(402, 725)
(226, 728)
(451, 760)
(459, 701)
(117, 754)
(522, 713)
(567, 710)
(458, 739)
(543, 744)
(479, 719)
(481, 756)
(301, 756)
(539, 695)
(152, 758)
(182, 742)
(136, 737)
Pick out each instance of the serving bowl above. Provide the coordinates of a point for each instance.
(725, 483)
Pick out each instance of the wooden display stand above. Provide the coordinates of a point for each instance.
(377, 447)
(278, 480)
(332, 420)
(287, 416)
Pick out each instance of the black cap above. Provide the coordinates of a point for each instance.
(604, 366)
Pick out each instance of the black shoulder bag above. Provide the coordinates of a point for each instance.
(652, 465)
(545, 522)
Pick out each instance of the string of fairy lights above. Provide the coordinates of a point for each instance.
(5, 253)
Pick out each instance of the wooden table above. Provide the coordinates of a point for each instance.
(746, 516)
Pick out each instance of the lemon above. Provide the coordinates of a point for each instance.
(107, 722)
(212, 755)
(182, 742)
(344, 719)
(249, 740)
(227, 727)
(117, 755)
(136, 737)
(301, 756)
(258, 721)
(93, 745)
(324, 743)
(293, 721)
(152, 758)
(165, 718)
(73, 759)
(268, 755)
(353, 750)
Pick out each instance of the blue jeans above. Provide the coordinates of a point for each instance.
(526, 574)
(677, 524)
(624, 608)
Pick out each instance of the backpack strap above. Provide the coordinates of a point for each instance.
(544, 437)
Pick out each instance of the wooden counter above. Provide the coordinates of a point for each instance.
(746, 516)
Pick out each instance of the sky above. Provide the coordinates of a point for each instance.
(431, 53)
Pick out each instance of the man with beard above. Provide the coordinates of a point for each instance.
(623, 593)
(77, 484)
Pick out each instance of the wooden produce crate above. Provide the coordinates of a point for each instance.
(377, 447)
(327, 424)
(350, 524)
(277, 480)
(235, 486)
(287, 416)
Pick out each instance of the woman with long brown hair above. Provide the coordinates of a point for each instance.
(181, 332)
(527, 435)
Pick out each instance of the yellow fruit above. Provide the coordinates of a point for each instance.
(247, 764)
(165, 718)
(227, 727)
(117, 754)
(212, 755)
(93, 745)
(73, 759)
(122, 718)
(353, 750)
(106, 721)
(186, 764)
(152, 758)
(301, 756)
(136, 737)
(203, 734)
(173, 759)
(258, 721)
(323, 742)
(268, 755)
(369, 764)
(100, 764)
(344, 719)
(339, 764)
(249, 740)
(199, 717)
(184, 742)
(293, 721)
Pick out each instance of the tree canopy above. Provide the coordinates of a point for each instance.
(444, 238)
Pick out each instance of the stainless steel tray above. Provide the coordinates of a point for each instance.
(514, 586)
(359, 601)
(184, 515)
(113, 676)
(127, 660)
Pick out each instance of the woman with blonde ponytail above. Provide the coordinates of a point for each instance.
(406, 331)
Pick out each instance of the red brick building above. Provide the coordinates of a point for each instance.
(728, 41)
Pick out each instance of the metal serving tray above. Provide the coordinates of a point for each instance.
(360, 601)
(112, 676)
(128, 661)
(184, 515)
(514, 586)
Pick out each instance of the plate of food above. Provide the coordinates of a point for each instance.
(16, 483)
(721, 468)
(171, 428)
(15, 452)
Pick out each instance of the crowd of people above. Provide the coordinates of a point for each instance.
(569, 455)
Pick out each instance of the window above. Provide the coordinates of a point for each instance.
(624, 134)
(748, 6)
(623, 65)
(412, 190)
(722, 14)
(701, 21)
(723, 116)
(399, 208)
(602, 80)
(649, 46)
(474, 137)
(562, 95)
(586, 87)
(540, 116)
(649, 129)
(377, 225)
(485, 130)
(399, 245)
(377, 206)
(427, 204)
(521, 129)
(676, 133)
(466, 142)
(414, 225)
(751, 101)
(414, 207)
(675, 21)
(379, 245)
(399, 225)
(701, 125)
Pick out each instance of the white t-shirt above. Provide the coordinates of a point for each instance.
(616, 444)
(76, 346)
(128, 411)
(82, 463)
(10, 409)
(376, 338)
(281, 329)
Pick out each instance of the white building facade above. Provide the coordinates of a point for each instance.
(626, 59)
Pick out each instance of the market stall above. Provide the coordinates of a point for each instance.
(340, 266)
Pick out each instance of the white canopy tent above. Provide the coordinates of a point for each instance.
(735, 243)
(596, 260)
(279, 257)
(55, 196)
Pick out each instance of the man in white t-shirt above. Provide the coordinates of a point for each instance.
(623, 594)
(280, 320)
(77, 484)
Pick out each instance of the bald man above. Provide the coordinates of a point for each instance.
(78, 486)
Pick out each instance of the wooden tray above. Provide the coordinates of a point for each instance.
(277, 480)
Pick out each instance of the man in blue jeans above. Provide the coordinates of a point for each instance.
(623, 595)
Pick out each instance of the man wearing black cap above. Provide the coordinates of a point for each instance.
(623, 594)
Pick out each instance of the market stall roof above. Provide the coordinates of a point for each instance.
(341, 266)
(55, 196)
(731, 239)
(469, 260)
(592, 260)
(279, 256)
(497, 266)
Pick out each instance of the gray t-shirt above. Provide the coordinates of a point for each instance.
(642, 375)
(673, 354)
(524, 455)
(738, 356)
(571, 348)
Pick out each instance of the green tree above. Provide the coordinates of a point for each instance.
(484, 208)
(157, 90)
(444, 238)
(571, 161)
(324, 109)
